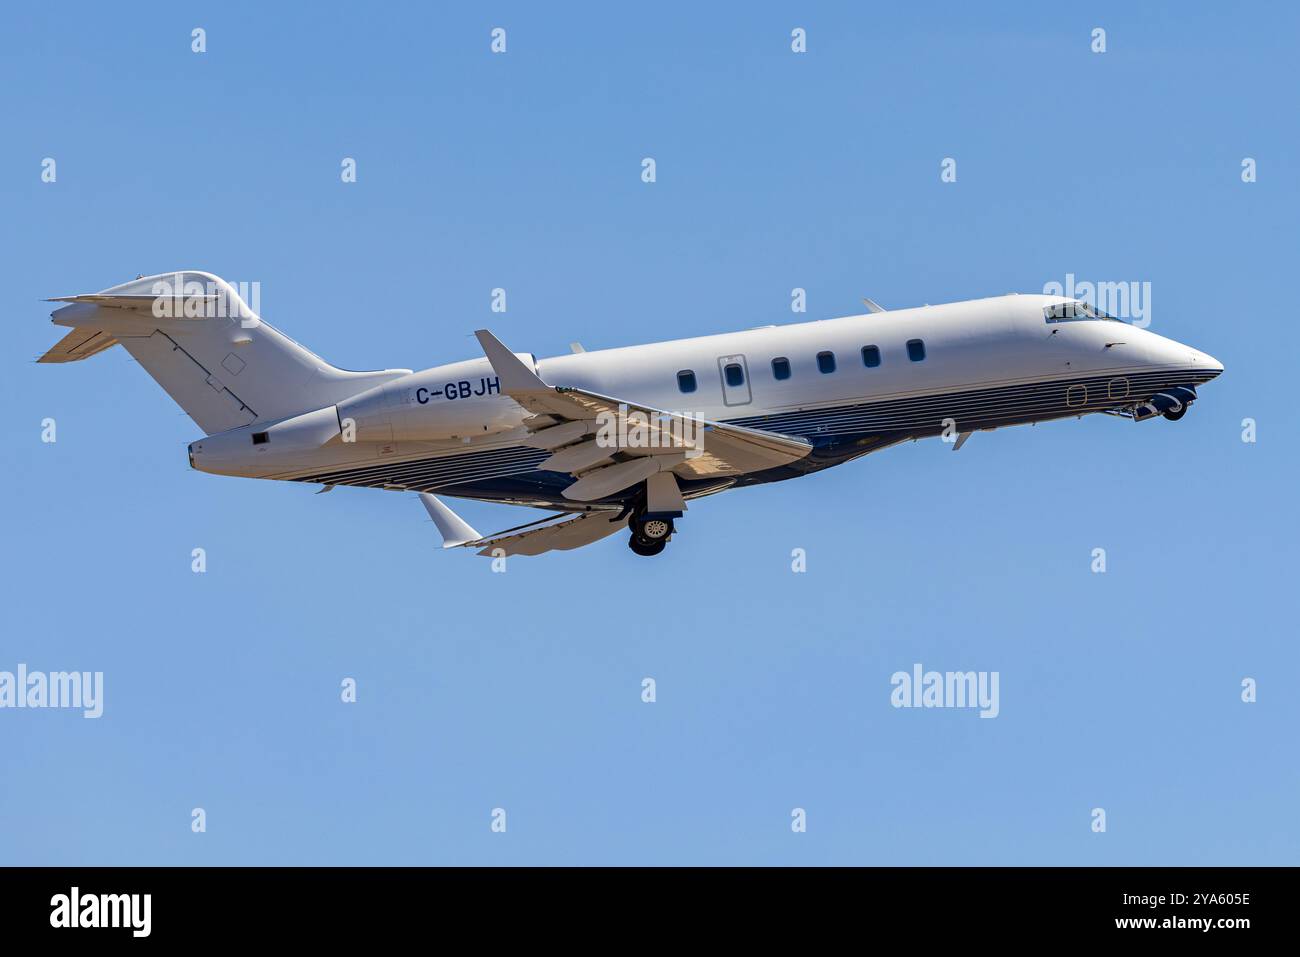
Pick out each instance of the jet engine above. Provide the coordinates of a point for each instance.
(456, 401)
(460, 401)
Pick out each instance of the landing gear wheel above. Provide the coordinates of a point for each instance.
(647, 548)
(649, 535)
(653, 529)
(1173, 416)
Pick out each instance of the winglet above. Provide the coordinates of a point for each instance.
(872, 305)
(454, 530)
(515, 376)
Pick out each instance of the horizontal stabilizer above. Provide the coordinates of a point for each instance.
(144, 303)
(78, 344)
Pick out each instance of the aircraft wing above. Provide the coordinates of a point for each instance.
(568, 421)
(570, 533)
(543, 535)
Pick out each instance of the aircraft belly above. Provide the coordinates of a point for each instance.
(838, 434)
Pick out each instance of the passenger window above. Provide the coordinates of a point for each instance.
(915, 350)
(871, 356)
(735, 375)
(826, 362)
(686, 380)
(781, 368)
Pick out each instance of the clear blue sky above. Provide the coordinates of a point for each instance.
(522, 690)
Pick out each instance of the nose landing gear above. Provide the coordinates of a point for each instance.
(1172, 404)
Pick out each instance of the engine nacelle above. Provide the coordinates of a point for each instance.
(456, 401)
(257, 450)
(462, 400)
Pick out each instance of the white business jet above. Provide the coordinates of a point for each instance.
(622, 439)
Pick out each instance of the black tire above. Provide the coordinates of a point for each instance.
(1173, 416)
(648, 549)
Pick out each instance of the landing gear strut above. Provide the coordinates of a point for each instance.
(649, 533)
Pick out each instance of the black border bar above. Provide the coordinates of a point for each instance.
(208, 905)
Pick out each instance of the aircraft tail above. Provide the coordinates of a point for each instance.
(203, 343)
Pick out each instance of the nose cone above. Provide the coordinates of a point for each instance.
(1178, 356)
(1206, 364)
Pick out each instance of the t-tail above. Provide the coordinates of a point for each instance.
(203, 343)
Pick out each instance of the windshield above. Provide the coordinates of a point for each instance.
(1074, 310)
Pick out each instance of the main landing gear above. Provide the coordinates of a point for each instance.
(650, 534)
(652, 512)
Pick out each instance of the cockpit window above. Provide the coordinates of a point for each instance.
(1073, 311)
